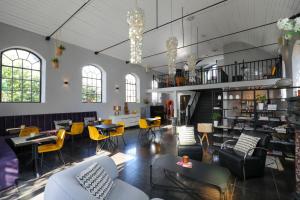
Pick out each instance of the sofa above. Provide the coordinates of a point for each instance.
(9, 165)
(64, 184)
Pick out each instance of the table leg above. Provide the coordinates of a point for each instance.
(35, 146)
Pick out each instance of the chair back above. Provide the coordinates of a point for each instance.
(205, 127)
(121, 129)
(89, 120)
(143, 123)
(263, 142)
(107, 121)
(157, 122)
(60, 138)
(93, 132)
(29, 130)
(77, 127)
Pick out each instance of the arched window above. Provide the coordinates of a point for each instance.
(131, 88)
(20, 76)
(91, 84)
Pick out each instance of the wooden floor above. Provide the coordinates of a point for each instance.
(274, 185)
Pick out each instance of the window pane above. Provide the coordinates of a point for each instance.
(27, 96)
(17, 73)
(23, 54)
(6, 72)
(26, 64)
(17, 85)
(36, 97)
(6, 84)
(26, 74)
(17, 63)
(6, 61)
(17, 96)
(6, 96)
(33, 59)
(36, 66)
(11, 54)
(36, 75)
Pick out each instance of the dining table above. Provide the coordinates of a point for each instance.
(34, 141)
(106, 129)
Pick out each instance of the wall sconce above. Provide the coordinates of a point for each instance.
(66, 82)
(117, 110)
(117, 88)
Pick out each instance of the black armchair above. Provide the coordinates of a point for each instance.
(245, 166)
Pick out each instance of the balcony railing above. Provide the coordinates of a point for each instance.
(245, 71)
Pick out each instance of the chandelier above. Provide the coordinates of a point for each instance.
(191, 63)
(172, 44)
(135, 20)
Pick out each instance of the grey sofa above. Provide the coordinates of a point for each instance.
(64, 184)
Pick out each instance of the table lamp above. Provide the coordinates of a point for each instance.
(117, 110)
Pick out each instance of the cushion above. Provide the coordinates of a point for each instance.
(96, 181)
(246, 142)
(186, 135)
(66, 121)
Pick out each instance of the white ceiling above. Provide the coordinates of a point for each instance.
(102, 23)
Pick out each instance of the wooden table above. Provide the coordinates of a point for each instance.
(23, 141)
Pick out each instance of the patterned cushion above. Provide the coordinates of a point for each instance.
(186, 135)
(246, 142)
(96, 181)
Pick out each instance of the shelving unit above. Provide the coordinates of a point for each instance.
(240, 113)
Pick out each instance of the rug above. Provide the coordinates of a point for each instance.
(34, 188)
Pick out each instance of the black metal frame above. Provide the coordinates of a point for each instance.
(129, 90)
(101, 95)
(40, 81)
(227, 73)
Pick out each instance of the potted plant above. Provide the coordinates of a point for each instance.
(261, 100)
(59, 50)
(55, 63)
(216, 117)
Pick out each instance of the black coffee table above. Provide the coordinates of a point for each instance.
(213, 175)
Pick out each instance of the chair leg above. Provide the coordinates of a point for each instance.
(61, 157)
(42, 156)
(123, 140)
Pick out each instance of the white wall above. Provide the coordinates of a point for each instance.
(60, 98)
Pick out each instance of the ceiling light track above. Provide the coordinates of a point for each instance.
(81, 7)
(215, 38)
(165, 24)
(237, 51)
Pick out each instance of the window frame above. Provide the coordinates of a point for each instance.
(101, 80)
(40, 82)
(135, 89)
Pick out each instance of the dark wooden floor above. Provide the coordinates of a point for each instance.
(274, 185)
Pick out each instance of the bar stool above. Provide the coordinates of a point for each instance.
(204, 128)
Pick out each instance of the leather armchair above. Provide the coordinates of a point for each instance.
(245, 166)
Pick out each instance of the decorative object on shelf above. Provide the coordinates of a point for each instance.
(230, 96)
(261, 99)
(272, 107)
(216, 117)
(146, 101)
(289, 27)
(285, 82)
(219, 97)
(59, 50)
(126, 109)
(117, 110)
(225, 97)
(237, 96)
(55, 63)
(185, 159)
(135, 20)
(171, 45)
(191, 62)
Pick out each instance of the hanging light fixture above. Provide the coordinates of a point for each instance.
(191, 62)
(171, 45)
(135, 20)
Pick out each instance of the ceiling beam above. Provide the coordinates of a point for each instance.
(226, 53)
(81, 7)
(165, 24)
(222, 36)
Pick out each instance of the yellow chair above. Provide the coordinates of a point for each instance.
(119, 132)
(27, 131)
(145, 126)
(76, 129)
(96, 136)
(54, 147)
(106, 121)
(157, 122)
